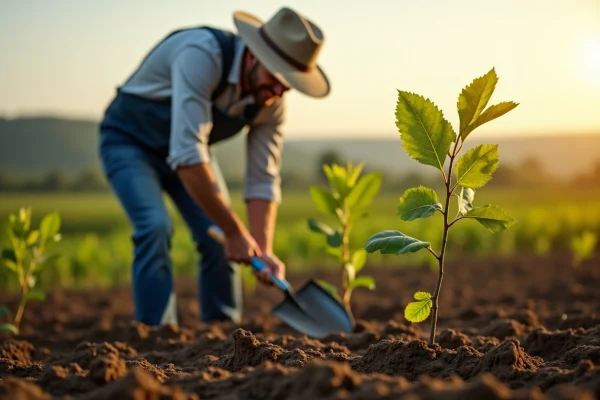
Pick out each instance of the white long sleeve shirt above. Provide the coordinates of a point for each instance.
(187, 67)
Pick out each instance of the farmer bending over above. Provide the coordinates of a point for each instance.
(197, 87)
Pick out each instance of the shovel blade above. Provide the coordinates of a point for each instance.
(317, 313)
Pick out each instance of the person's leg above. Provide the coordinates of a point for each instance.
(135, 177)
(219, 284)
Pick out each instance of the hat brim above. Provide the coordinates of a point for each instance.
(313, 83)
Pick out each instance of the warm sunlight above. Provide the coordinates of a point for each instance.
(590, 59)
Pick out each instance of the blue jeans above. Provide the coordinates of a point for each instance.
(139, 178)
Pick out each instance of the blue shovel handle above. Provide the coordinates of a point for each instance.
(259, 265)
(256, 263)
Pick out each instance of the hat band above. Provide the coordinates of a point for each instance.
(299, 66)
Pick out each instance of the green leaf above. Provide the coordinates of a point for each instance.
(465, 201)
(356, 216)
(474, 169)
(335, 252)
(363, 193)
(338, 180)
(35, 295)
(9, 254)
(583, 245)
(350, 271)
(49, 226)
(5, 312)
(9, 328)
(330, 288)
(492, 217)
(426, 135)
(475, 97)
(11, 265)
(418, 311)
(354, 172)
(418, 202)
(394, 242)
(491, 113)
(359, 258)
(324, 200)
(33, 237)
(334, 238)
(363, 281)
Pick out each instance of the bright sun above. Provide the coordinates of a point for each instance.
(590, 59)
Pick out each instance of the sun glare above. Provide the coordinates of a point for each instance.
(590, 59)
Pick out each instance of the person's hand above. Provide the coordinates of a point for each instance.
(240, 247)
(273, 265)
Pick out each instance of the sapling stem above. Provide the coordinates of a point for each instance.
(436, 294)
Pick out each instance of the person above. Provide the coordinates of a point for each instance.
(197, 87)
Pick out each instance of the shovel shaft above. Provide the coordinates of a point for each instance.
(256, 263)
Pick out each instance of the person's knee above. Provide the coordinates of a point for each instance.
(156, 227)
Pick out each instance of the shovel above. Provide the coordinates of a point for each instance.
(311, 310)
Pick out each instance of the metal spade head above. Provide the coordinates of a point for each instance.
(315, 312)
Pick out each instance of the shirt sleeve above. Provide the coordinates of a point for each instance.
(195, 73)
(264, 154)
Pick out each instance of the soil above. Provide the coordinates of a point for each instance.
(526, 328)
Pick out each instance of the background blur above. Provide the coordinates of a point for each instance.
(62, 61)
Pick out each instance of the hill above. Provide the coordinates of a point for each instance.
(36, 145)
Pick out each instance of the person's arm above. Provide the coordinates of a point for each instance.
(263, 184)
(262, 217)
(195, 73)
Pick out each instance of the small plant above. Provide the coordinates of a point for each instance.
(346, 198)
(29, 253)
(428, 138)
(582, 247)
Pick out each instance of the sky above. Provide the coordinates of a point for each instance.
(66, 57)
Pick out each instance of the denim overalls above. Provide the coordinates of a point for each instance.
(134, 144)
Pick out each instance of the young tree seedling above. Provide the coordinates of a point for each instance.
(582, 247)
(29, 253)
(430, 139)
(346, 198)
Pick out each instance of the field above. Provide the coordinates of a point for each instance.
(518, 320)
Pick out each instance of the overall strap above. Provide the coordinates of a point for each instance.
(226, 41)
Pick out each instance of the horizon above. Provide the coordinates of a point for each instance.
(552, 71)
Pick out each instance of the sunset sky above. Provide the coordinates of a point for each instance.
(66, 57)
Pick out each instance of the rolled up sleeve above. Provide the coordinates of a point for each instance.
(195, 73)
(264, 158)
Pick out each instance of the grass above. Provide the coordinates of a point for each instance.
(97, 250)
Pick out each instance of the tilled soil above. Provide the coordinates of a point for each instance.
(509, 329)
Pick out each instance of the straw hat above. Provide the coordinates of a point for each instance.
(288, 46)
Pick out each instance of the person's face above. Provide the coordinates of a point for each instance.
(265, 87)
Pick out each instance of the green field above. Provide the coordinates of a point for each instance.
(96, 248)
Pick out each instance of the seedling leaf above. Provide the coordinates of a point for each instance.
(465, 201)
(426, 135)
(418, 202)
(493, 218)
(418, 311)
(363, 193)
(5, 312)
(475, 97)
(334, 239)
(329, 287)
(394, 242)
(359, 258)
(9, 328)
(491, 113)
(49, 226)
(325, 202)
(35, 295)
(363, 281)
(474, 169)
